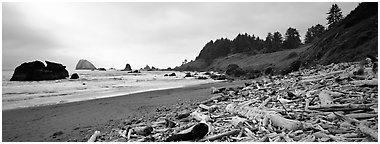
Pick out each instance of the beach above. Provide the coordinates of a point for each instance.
(73, 121)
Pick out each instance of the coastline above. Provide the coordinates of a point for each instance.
(71, 121)
(97, 94)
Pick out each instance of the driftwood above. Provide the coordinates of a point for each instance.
(368, 131)
(320, 77)
(218, 136)
(143, 130)
(275, 109)
(195, 132)
(257, 113)
(200, 117)
(93, 137)
(237, 121)
(361, 115)
(369, 83)
(325, 98)
(341, 107)
(362, 127)
(208, 108)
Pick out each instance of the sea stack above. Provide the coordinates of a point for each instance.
(36, 71)
(84, 65)
(127, 68)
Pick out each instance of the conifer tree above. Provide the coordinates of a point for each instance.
(292, 38)
(334, 16)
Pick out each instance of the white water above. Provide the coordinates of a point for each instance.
(90, 85)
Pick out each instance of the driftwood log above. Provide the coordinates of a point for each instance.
(218, 136)
(93, 137)
(260, 113)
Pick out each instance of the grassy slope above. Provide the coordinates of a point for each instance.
(352, 40)
(277, 60)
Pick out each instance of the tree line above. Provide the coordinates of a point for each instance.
(251, 44)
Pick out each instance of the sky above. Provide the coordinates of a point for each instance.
(162, 35)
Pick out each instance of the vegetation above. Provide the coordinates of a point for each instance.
(334, 16)
(348, 39)
(314, 32)
(292, 38)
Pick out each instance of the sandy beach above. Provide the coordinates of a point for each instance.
(73, 121)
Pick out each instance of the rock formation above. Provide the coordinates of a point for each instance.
(74, 76)
(36, 71)
(127, 68)
(84, 65)
(147, 68)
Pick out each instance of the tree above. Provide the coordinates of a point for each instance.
(185, 61)
(314, 32)
(268, 42)
(334, 16)
(277, 41)
(292, 38)
(309, 36)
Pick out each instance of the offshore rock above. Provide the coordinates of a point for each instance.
(84, 65)
(36, 71)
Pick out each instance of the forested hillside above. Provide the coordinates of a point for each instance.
(349, 38)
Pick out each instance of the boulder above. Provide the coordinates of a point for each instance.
(36, 71)
(235, 70)
(188, 75)
(135, 71)
(101, 69)
(74, 76)
(85, 65)
(127, 68)
(172, 74)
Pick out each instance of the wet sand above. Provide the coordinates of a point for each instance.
(73, 121)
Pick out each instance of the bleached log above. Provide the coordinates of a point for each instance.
(341, 107)
(333, 94)
(237, 120)
(93, 137)
(208, 108)
(200, 117)
(218, 136)
(361, 115)
(368, 131)
(279, 121)
(143, 130)
(129, 134)
(257, 113)
(170, 123)
(325, 98)
(372, 82)
(320, 77)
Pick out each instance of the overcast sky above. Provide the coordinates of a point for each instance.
(154, 34)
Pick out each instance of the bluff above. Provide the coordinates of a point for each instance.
(37, 71)
(85, 65)
(352, 39)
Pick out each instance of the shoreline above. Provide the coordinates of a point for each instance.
(72, 121)
(116, 93)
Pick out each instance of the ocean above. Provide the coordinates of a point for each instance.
(90, 85)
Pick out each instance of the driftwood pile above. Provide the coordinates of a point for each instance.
(334, 103)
